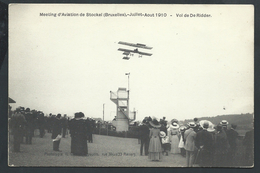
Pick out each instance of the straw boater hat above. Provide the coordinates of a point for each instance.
(224, 123)
(155, 123)
(162, 134)
(192, 124)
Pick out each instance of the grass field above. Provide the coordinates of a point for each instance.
(106, 151)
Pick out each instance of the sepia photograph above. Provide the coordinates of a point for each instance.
(130, 85)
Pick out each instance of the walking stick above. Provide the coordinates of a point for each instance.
(195, 161)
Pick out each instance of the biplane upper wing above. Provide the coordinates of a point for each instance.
(135, 45)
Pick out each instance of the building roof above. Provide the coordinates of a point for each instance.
(11, 100)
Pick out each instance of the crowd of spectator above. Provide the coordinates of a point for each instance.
(24, 122)
(201, 142)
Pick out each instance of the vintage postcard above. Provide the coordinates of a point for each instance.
(109, 85)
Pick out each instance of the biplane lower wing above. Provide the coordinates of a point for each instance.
(143, 53)
(134, 51)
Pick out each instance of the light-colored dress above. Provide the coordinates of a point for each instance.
(181, 143)
(155, 147)
(174, 140)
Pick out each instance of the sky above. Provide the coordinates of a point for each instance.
(199, 65)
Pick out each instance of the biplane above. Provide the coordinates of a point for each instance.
(128, 52)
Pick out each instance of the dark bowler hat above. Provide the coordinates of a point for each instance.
(155, 123)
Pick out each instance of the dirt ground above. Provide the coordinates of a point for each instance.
(105, 151)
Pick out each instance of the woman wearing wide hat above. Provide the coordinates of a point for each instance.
(79, 131)
(155, 147)
(173, 133)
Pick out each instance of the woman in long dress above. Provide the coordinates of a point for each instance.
(173, 133)
(155, 147)
(78, 130)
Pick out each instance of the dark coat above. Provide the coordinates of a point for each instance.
(79, 134)
(232, 136)
(64, 122)
(144, 132)
(205, 139)
(163, 128)
(17, 124)
(30, 124)
(221, 143)
(248, 141)
(56, 129)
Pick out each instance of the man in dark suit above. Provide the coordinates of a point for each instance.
(17, 124)
(144, 136)
(204, 142)
(221, 146)
(90, 130)
(56, 131)
(29, 128)
(224, 124)
(232, 136)
(41, 123)
(64, 122)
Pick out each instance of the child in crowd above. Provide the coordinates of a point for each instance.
(181, 144)
(166, 145)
